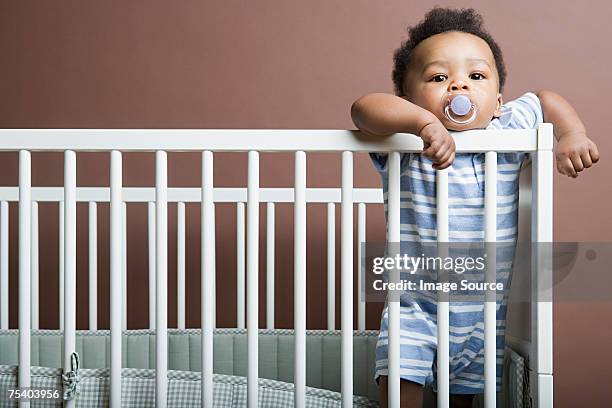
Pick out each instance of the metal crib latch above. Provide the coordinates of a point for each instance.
(71, 378)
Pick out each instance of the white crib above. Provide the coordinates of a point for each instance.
(535, 219)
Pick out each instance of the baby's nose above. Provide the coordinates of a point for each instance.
(459, 85)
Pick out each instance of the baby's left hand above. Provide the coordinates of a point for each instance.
(575, 152)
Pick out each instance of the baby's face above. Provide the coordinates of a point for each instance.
(457, 63)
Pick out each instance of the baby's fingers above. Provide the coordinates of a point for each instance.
(431, 151)
(439, 149)
(446, 163)
(441, 155)
(585, 157)
(565, 167)
(577, 163)
(594, 153)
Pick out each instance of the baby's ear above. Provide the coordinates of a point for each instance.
(500, 102)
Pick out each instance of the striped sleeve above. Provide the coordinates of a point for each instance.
(380, 161)
(522, 113)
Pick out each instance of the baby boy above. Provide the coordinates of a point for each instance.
(449, 54)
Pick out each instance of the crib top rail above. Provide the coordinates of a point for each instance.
(235, 140)
(194, 194)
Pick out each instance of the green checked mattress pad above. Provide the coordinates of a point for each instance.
(323, 368)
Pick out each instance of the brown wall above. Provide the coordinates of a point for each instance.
(267, 64)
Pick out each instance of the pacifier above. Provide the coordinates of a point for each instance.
(458, 107)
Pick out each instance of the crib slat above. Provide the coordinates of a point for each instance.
(180, 264)
(252, 278)
(25, 215)
(240, 262)
(35, 289)
(161, 251)
(4, 265)
(61, 265)
(270, 266)
(93, 266)
(299, 283)
(116, 281)
(207, 305)
(214, 266)
(361, 239)
(443, 305)
(69, 261)
(393, 308)
(331, 266)
(490, 324)
(124, 265)
(347, 279)
(541, 266)
(152, 258)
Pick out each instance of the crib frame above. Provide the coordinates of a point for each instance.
(537, 142)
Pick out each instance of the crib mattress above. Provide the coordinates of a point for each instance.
(229, 364)
(323, 368)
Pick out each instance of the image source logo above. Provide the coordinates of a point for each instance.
(475, 271)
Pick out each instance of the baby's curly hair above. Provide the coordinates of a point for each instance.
(439, 20)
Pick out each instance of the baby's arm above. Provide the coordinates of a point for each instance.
(575, 151)
(383, 114)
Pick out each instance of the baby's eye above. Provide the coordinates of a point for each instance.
(438, 78)
(477, 76)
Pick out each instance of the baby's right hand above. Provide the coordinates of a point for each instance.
(438, 145)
